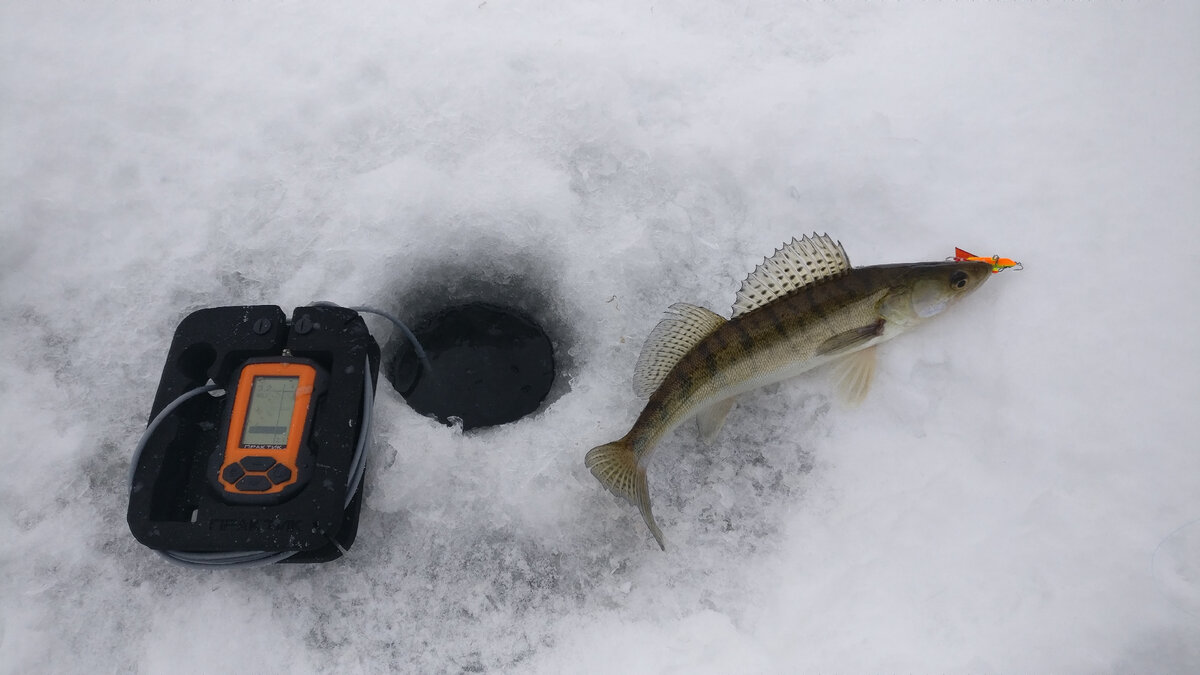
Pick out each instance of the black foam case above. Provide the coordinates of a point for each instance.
(172, 504)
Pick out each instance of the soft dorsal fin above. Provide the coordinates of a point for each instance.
(683, 328)
(796, 265)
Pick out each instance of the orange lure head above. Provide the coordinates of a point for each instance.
(996, 261)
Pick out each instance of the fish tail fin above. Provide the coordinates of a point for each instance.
(616, 466)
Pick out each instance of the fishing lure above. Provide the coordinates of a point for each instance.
(995, 261)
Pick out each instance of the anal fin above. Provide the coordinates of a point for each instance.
(711, 419)
(854, 374)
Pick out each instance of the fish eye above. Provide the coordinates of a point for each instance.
(959, 279)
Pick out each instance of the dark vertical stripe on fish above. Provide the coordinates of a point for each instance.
(745, 340)
(772, 313)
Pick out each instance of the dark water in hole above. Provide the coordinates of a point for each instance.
(491, 365)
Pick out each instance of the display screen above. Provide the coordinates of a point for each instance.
(272, 400)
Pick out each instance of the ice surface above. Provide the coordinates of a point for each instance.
(1019, 493)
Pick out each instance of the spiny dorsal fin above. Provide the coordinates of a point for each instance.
(685, 326)
(796, 265)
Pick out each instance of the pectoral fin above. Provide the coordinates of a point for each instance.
(851, 339)
(712, 418)
(854, 374)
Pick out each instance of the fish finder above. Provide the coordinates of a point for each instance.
(265, 457)
(256, 447)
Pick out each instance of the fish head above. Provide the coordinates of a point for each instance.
(925, 290)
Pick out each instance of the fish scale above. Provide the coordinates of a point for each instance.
(803, 307)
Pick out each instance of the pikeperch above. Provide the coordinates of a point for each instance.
(803, 307)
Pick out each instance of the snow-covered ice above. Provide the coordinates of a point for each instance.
(1019, 493)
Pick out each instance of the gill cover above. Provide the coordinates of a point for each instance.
(930, 297)
(930, 289)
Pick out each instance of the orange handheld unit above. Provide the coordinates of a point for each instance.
(264, 453)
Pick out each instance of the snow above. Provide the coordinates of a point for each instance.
(1019, 493)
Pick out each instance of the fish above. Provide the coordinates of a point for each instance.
(803, 307)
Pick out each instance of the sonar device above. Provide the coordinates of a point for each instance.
(266, 429)
(255, 450)
(270, 470)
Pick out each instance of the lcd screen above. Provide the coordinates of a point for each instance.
(272, 400)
